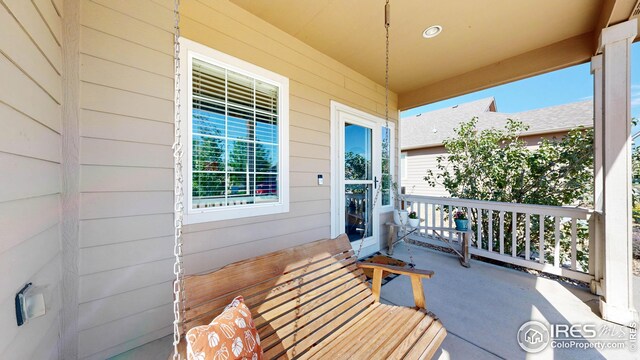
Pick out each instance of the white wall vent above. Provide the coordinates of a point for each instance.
(636, 11)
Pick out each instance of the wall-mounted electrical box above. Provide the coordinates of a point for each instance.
(29, 304)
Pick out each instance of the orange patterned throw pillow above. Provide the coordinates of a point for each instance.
(231, 335)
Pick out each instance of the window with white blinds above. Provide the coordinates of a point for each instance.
(236, 127)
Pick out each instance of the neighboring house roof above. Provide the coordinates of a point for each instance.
(431, 128)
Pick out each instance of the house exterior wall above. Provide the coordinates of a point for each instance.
(314, 80)
(30, 184)
(421, 160)
(126, 176)
(126, 129)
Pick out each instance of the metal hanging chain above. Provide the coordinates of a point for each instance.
(387, 25)
(178, 270)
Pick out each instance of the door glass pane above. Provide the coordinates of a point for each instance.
(358, 211)
(357, 152)
(386, 166)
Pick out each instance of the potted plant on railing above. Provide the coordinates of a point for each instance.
(462, 222)
(413, 219)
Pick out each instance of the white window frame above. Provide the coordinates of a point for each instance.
(392, 165)
(189, 50)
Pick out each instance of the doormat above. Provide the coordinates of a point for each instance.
(378, 258)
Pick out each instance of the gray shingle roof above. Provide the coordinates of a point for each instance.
(431, 128)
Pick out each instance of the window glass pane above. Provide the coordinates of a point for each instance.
(238, 184)
(266, 158)
(208, 81)
(266, 188)
(386, 190)
(358, 211)
(208, 190)
(235, 150)
(208, 153)
(208, 118)
(386, 166)
(240, 155)
(266, 128)
(240, 124)
(357, 155)
(266, 97)
(240, 89)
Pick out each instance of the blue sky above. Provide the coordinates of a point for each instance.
(555, 88)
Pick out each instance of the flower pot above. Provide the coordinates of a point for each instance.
(462, 224)
(414, 222)
(400, 217)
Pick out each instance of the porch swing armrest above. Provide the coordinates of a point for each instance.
(397, 270)
(416, 276)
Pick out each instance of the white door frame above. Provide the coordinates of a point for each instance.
(338, 111)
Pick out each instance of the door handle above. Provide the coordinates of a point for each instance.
(375, 182)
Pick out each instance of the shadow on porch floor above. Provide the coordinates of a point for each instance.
(482, 308)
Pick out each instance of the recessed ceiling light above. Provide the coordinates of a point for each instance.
(432, 31)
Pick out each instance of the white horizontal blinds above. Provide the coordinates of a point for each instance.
(386, 166)
(235, 138)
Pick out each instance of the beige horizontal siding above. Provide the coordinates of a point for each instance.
(22, 135)
(418, 163)
(29, 177)
(106, 231)
(203, 261)
(34, 50)
(126, 211)
(102, 285)
(30, 118)
(117, 332)
(101, 125)
(101, 311)
(126, 199)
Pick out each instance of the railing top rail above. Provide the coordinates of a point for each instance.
(568, 211)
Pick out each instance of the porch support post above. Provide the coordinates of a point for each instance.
(596, 235)
(615, 43)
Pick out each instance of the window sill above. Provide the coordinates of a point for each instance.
(219, 214)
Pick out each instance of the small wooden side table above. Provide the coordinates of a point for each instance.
(464, 255)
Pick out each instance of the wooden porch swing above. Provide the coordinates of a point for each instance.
(312, 301)
(308, 302)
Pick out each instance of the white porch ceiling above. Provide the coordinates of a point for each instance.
(484, 43)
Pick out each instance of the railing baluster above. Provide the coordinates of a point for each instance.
(470, 223)
(573, 244)
(497, 246)
(501, 232)
(450, 221)
(433, 217)
(527, 237)
(490, 229)
(419, 213)
(541, 237)
(556, 247)
(479, 225)
(514, 233)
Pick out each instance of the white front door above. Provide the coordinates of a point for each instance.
(358, 168)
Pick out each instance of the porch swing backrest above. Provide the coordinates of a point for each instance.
(298, 297)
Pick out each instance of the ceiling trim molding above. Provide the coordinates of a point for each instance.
(573, 51)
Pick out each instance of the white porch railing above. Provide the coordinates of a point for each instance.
(551, 239)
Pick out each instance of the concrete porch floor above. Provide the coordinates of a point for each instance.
(482, 308)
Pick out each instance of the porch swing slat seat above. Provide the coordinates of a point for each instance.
(312, 301)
